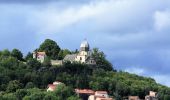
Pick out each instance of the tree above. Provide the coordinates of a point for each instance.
(101, 60)
(9, 96)
(63, 53)
(17, 54)
(20, 93)
(5, 52)
(13, 86)
(29, 85)
(33, 64)
(29, 56)
(9, 62)
(50, 96)
(51, 48)
(63, 92)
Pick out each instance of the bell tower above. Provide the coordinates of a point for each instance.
(84, 51)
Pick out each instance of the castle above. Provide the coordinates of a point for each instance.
(83, 56)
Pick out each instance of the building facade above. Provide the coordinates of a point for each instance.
(83, 56)
(40, 56)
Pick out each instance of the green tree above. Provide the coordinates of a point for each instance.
(63, 53)
(9, 62)
(166, 97)
(50, 96)
(9, 96)
(29, 56)
(51, 48)
(5, 52)
(29, 85)
(17, 54)
(20, 93)
(13, 86)
(33, 64)
(64, 92)
(101, 60)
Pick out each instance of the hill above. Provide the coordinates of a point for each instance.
(26, 78)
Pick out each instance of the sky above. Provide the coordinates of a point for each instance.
(134, 34)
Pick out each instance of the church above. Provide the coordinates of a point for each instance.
(83, 56)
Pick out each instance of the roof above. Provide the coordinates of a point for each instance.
(84, 44)
(84, 91)
(98, 98)
(70, 57)
(40, 53)
(101, 92)
(52, 86)
(133, 97)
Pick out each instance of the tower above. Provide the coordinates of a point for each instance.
(84, 52)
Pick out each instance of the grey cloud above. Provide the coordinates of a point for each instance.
(125, 30)
(41, 1)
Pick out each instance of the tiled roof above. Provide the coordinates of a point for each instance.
(40, 53)
(101, 92)
(104, 98)
(84, 91)
(70, 57)
(52, 86)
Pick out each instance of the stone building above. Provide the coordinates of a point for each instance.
(83, 56)
(152, 96)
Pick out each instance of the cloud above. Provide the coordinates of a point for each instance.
(134, 34)
(40, 1)
(104, 16)
(162, 20)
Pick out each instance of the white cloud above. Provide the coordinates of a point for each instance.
(101, 16)
(162, 20)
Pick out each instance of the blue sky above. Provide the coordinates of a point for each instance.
(134, 34)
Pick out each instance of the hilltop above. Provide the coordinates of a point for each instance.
(26, 78)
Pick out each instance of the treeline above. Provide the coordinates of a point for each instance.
(27, 79)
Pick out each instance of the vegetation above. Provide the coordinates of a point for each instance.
(51, 48)
(28, 80)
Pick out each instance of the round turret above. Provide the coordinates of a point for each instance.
(84, 46)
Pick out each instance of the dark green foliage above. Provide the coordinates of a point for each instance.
(51, 48)
(167, 97)
(29, 56)
(5, 53)
(101, 60)
(33, 64)
(17, 54)
(13, 86)
(29, 85)
(63, 53)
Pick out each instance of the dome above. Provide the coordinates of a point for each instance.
(84, 46)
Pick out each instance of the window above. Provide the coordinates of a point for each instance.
(80, 58)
